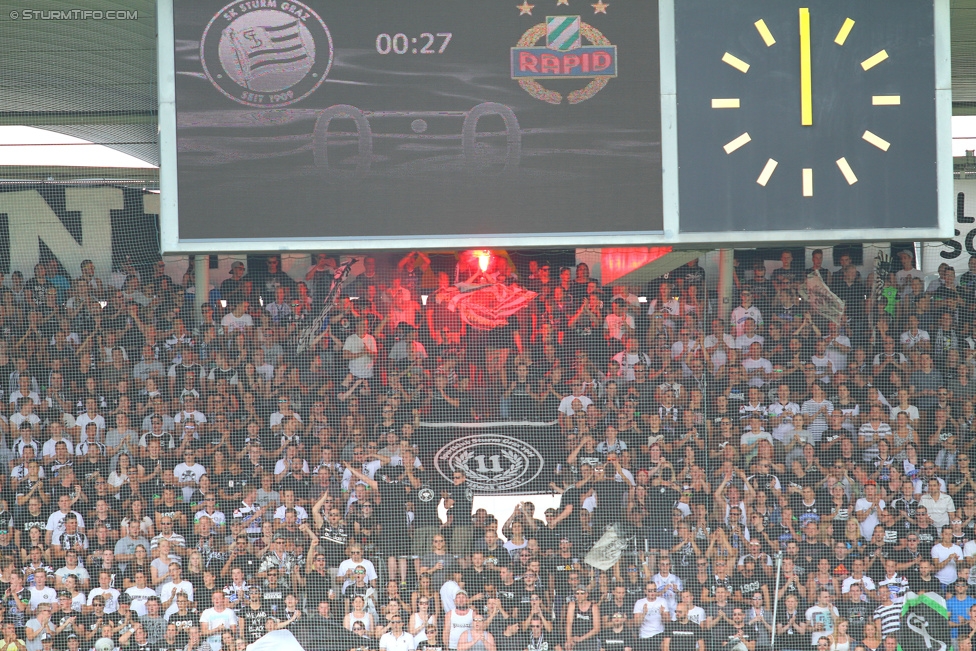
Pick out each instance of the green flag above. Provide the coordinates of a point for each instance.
(924, 623)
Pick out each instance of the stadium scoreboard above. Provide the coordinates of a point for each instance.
(407, 124)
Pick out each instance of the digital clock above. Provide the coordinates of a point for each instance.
(400, 43)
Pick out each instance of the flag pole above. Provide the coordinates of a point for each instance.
(779, 566)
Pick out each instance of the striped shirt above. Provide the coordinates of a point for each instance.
(889, 617)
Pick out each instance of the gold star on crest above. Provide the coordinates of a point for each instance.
(525, 8)
(562, 2)
(600, 7)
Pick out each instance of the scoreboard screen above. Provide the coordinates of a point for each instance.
(384, 123)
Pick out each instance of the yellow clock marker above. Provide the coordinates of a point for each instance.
(845, 169)
(767, 36)
(725, 103)
(886, 100)
(876, 140)
(767, 172)
(845, 31)
(807, 182)
(735, 62)
(874, 60)
(806, 82)
(731, 146)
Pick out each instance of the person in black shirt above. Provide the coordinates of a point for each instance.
(925, 581)
(241, 556)
(461, 532)
(855, 611)
(927, 534)
(616, 637)
(682, 634)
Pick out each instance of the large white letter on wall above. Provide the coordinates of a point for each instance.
(30, 220)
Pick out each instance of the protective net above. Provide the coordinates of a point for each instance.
(481, 440)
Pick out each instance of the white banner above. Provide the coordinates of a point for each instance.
(955, 252)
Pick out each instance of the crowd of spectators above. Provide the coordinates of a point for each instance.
(181, 479)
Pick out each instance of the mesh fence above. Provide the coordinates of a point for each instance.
(478, 436)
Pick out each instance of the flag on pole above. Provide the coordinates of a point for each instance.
(924, 623)
(607, 550)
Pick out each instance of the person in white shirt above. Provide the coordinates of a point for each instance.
(627, 359)
(175, 585)
(745, 311)
(396, 639)
(56, 431)
(40, 592)
(868, 509)
(140, 593)
(239, 319)
(651, 613)
(939, 504)
(215, 621)
(781, 412)
(188, 475)
(945, 555)
(360, 351)
(105, 590)
(821, 616)
(669, 586)
(288, 499)
(55, 523)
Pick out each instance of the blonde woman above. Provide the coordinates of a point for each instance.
(839, 640)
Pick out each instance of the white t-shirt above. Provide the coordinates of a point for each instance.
(653, 623)
(227, 617)
(193, 473)
(947, 574)
(233, 322)
(111, 597)
(279, 513)
(55, 523)
(566, 404)
(870, 522)
(361, 367)
(403, 643)
(139, 598)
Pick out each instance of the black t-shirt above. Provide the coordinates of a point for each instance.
(425, 502)
(791, 638)
(560, 568)
(254, 622)
(684, 636)
(927, 538)
(475, 581)
(185, 622)
(857, 614)
(748, 586)
(178, 507)
(921, 586)
(610, 502)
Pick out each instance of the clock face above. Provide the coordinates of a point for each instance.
(799, 115)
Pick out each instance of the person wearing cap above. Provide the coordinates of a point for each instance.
(232, 289)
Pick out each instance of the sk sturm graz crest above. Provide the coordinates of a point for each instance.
(491, 462)
(266, 56)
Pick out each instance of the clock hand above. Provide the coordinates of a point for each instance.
(806, 89)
